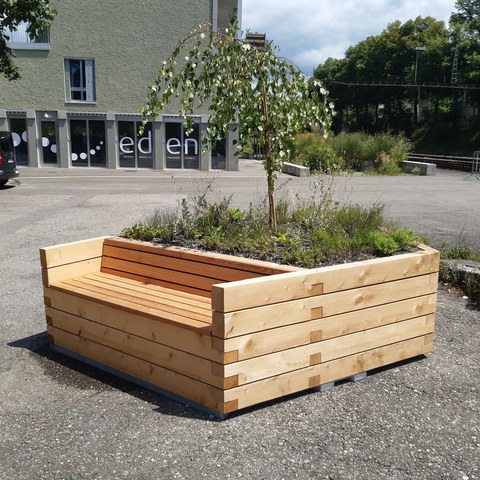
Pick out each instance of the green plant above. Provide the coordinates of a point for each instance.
(240, 83)
(384, 244)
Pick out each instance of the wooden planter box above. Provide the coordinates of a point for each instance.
(224, 332)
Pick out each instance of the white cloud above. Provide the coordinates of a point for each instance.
(307, 32)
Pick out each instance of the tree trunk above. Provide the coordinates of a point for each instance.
(272, 211)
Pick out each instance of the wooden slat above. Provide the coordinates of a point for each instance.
(71, 252)
(230, 261)
(301, 310)
(281, 385)
(161, 283)
(195, 342)
(155, 312)
(176, 383)
(290, 336)
(155, 273)
(69, 270)
(266, 366)
(244, 294)
(173, 265)
(165, 294)
(139, 299)
(139, 347)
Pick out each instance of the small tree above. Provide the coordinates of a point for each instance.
(240, 84)
(36, 13)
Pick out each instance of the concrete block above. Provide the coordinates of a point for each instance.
(295, 170)
(423, 168)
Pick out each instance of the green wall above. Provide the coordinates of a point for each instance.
(127, 39)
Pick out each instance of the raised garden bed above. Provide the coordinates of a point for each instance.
(225, 332)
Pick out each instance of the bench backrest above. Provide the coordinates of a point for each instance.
(180, 269)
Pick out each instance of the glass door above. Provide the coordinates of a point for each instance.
(181, 150)
(135, 150)
(49, 142)
(87, 143)
(18, 127)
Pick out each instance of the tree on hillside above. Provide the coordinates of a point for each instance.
(36, 13)
(465, 32)
(389, 57)
(244, 84)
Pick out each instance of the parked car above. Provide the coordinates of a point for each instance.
(8, 163)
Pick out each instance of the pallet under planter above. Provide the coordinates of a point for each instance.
(225, 333)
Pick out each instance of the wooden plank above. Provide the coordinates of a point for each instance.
(145, 349)
(139, 299)
(195, 342)
(69, 270)
(166, 294)
(290, 336)
(72, 252)
(273, 316)
(296, 381)
(155, 312)
(150, 272)
(173, 264)
(187, 387)
(230, 261)
(254, 292)
(278, 363)
(162, 283)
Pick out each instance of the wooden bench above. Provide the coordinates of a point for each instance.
(225, 332)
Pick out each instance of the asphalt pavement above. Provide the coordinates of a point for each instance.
(60, 419)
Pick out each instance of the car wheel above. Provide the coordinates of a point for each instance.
(3, 182)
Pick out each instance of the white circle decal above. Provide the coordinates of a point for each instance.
(53, 148)
(74, 157)
(92, 152)
(45, 142)
(83, 156)
(16, 139)
(24, 136)
(98, 147)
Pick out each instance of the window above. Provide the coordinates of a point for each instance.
(80, 80)
(135, 150)
(87, 143)
(182, 151)
(19, 39)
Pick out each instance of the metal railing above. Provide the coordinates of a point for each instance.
(21, 36)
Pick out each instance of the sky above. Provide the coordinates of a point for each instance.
(307, 32)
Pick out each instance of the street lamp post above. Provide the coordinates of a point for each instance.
(418, 50)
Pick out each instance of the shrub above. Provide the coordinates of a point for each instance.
(383, 151)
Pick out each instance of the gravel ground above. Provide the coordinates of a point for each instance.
(60, 419)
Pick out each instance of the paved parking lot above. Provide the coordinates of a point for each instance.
(62, 420)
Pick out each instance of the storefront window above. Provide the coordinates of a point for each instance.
(182, 151)
(88, 143)
(219, 156)
(49, 142)
(135, 150)
(18, 127)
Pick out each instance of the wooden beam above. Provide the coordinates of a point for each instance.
(290, 336)
(280, 314)
(298, 380)
(284, 361)
(290, 286)
(72, 252)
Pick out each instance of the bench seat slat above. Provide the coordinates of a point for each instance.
(138, 301)
(149, 299)
(186, 300)
(155, 313)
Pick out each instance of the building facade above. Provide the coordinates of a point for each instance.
(83, 84)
